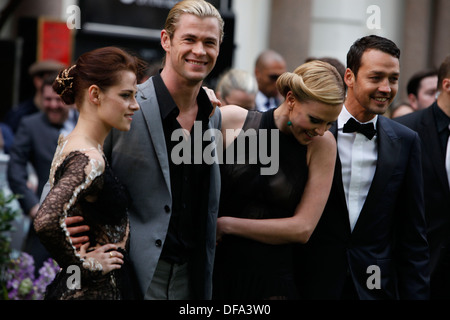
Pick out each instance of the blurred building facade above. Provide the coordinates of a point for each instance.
(303, 28)
(298, 29)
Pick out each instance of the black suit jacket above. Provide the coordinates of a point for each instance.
(390, 232)
(437, 196)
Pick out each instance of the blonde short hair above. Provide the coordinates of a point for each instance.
(199, 8)
(313, 81)
(236, 79)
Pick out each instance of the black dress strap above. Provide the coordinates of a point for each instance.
(253, 120)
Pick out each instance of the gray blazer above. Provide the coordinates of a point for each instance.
(35, 142)
(139, 159)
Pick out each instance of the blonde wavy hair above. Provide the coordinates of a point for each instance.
(313, 81)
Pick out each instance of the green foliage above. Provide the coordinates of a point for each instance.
(7, 216)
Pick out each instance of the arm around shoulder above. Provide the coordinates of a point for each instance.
(233, 118)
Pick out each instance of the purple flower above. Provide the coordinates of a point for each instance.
(46, 275)
(21, 283)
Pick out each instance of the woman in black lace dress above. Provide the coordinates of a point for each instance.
(263, 213)
(103, 86)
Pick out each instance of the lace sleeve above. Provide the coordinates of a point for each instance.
(71, 182)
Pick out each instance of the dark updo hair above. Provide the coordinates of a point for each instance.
(99, 67)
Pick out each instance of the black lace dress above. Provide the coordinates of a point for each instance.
(247, 269)
(81, 185)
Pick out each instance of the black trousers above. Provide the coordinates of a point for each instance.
(349, 291)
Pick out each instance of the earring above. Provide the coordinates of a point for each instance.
(289, 123)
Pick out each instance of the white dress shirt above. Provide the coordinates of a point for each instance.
(70, 123)
(358, 157)
(264, 103)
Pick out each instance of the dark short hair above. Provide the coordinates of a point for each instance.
(444, 71)
(366, 43)
(414, 82)
(48, 80)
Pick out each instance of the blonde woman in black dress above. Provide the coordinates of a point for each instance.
(262, 215)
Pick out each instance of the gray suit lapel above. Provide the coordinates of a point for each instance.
(152, 116)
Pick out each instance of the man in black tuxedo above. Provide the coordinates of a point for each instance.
(433, 126)
(370, 242)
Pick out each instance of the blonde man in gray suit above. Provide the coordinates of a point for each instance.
(174, 203)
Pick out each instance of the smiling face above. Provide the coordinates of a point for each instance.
(56, 110)
(310, 118)
(192, 52)
(373, 89)
(118, 102)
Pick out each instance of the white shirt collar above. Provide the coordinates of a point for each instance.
(261, 98)
(261, 101)
(345, 115)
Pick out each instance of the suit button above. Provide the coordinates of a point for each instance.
(158, 243)
(167, 208)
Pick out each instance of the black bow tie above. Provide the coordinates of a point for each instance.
(366, 129)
